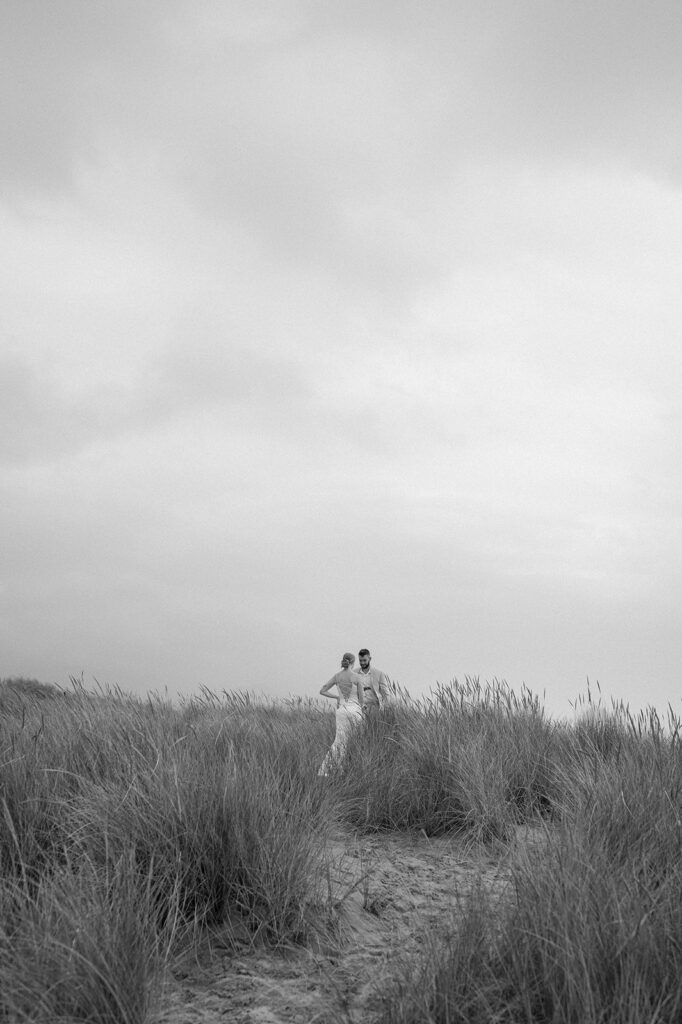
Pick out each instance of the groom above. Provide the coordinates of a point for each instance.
(375, 684)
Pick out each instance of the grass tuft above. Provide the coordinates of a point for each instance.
(130, 827)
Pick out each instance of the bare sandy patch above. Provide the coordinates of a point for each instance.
(388, 894)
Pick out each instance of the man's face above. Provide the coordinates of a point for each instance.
(364, 661)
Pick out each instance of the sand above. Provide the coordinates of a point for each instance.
(390, 893)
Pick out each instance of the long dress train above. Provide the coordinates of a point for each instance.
(348, 716)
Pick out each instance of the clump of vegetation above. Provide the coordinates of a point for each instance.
(469, 758)
(130, 826)
(17, 692)
(127, 826)
(591, 927)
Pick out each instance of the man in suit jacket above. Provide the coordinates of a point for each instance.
(375, 683)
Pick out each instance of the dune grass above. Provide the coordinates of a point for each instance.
(590, 930)
(130, 826)
(469, 758)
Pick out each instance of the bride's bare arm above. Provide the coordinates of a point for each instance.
(324, 691)
(361, 693)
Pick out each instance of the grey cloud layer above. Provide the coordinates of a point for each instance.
(50, 106)
(311, 300)
(38, 424)
(351, 102)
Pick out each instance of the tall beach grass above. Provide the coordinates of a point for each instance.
(590, 928)
(130, 826)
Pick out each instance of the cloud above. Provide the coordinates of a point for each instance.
(327, 321)
(52, 107)
(286, 111)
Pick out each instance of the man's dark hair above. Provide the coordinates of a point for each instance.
(363, 651)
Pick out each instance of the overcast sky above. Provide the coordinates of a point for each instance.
(335, 324)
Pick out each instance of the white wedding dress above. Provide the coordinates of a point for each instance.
(348, 717)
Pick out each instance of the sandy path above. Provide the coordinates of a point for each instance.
(391, 891)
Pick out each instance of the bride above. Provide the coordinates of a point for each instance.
(349, 699)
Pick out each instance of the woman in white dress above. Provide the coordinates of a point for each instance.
(349, 697)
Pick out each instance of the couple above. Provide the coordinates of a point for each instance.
(356, 692)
